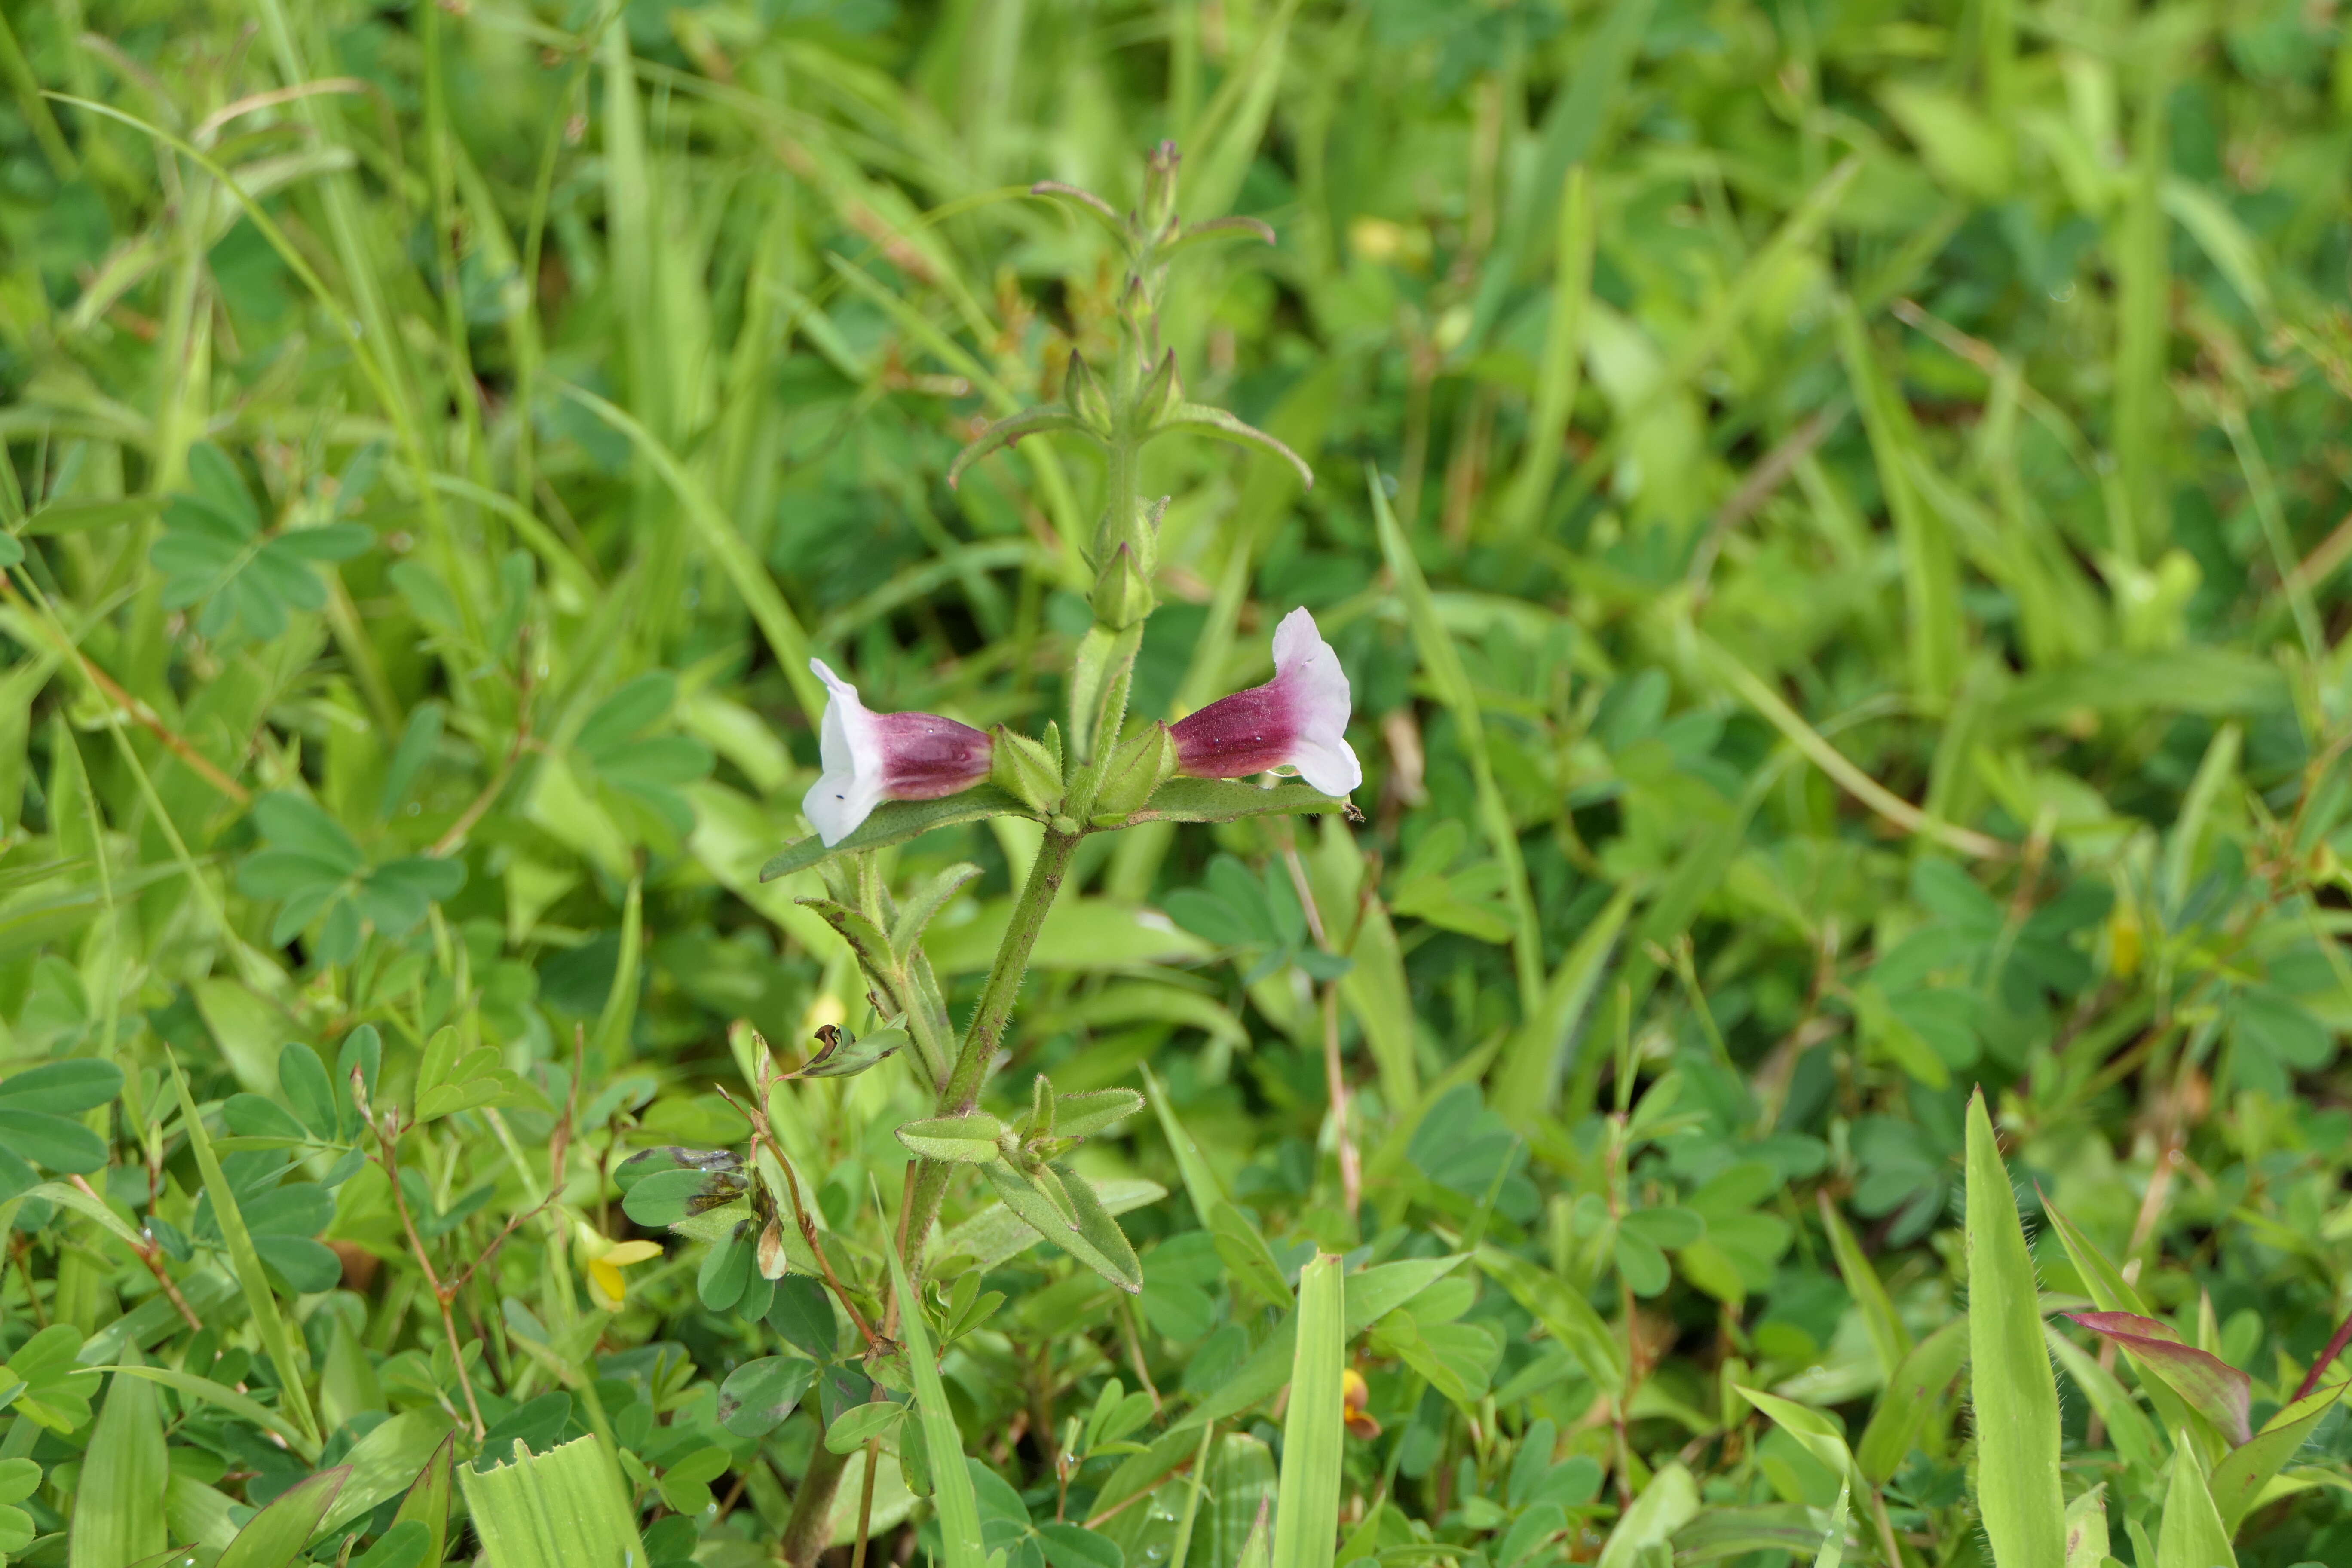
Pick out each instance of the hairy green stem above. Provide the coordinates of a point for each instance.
(989, 1018)
(987, 1029)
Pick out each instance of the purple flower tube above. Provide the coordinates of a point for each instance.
(872, 757)
(1297, 720)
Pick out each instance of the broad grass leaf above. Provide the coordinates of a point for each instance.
(2012, 1391)
(408, 1454)
(567, 1508)
(1666, 1505)
(119, 1520)
(962, 1545)
(275, 1537)
(2191, 1534)
(1307, 1510)
(2237, 1482)
(2086, 1530)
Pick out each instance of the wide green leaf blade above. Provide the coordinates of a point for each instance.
(119, 1517)
(276, 1337)
(1307, 1508)
(2010, 1384)
(567, 1508)
(2192, 1534)
(2245, 1471)
(275, 1537)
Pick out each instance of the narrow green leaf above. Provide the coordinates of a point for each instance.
(276, 1339)
(2245, 1471)
(895, 822)
(395, 1458)
(1910, 1396)
(2192, 1534)
(2086, 1530)
(1443, 662)
(1888, 1337)
(275, 1537)
(567, 1508)
(1307, 1509)
(958, 1506)
(2010, 1384)
(427, 1502)
(1666, 1505)
(2113, 1293)
(123, 1476)
(190, 1385)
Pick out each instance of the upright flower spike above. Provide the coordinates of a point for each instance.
(1298, 719)
(872, 757)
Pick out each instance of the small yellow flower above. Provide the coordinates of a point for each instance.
(1355, 1399)
(606, 1287)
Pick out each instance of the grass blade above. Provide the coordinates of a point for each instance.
(275, 1537)
(1307, 1509)
(276, 1339)
(1444, 662)
(567, 1508)
(2011, 1385)
(958, 1504)
(1562, 356)
(2191, 1535)
(2244, 1471)
(1888, 1337)
(119, 1516)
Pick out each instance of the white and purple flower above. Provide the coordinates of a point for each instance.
(1297, 720)
(872, 757)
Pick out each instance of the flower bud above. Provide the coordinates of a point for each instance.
(1082, 390)
(1144, 760)
(871, 757)
(1161, 394)
(1298, 719)
(1122, 594)
(1159, 191)
(1026, 771)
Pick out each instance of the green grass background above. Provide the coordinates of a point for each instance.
(1865, 621)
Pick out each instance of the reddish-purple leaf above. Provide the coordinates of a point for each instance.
(2214, 1388)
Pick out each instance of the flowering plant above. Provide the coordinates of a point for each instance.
(887, 776)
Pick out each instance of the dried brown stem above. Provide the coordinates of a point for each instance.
(387, 1135)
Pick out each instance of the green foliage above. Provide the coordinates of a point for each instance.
(1818, 1039)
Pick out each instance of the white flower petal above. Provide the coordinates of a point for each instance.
(1310, 674)
(1295, 640)
(838, 802)
(850, 746)
(1329, 765)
